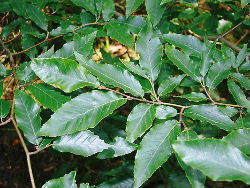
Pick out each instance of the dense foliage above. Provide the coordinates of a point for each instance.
(154, 91)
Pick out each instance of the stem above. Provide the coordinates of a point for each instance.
(143, 100)
(53, 38)
(23, 145)
(206, 91)
(6, 122)
(39, 150)
(181, 116)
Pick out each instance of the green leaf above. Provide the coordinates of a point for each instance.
(155, 10)
(210, 114)
(195, 177)
(108, 9)
(136, 69)
(120, 32)
(27, 116)
(32, 12)
(67, 181)
(111, 75)
(150, 49)
(183, 62)
(117, 183)
(238, 94)
(48, 97)
(194, 96)
(243, 122)
(118, 148)
(84, 143)
(84, 45)
(4, 108)
(85, 185)
(139, 121)
(3, 70)
(243, 81)
(155, 149)
(240, 138)
(188, 44)
(215, 158)
(216, 74)
(83, 112)
(168, 85)
(165, 112)
(228, 110)
(25, 73)
(132, 6)
(89, 5)
(65, 74)
(241, 57)
(1, 89)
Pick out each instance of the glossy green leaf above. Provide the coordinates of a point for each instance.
(155, 10)
(3, 70)
(165, 112)
(117, 183)
(111, 75)
(243, 122)
(30, 11)
(228, 110)
(216, 74)
(210, 114)
(108, 9)
(48, 97)
(85, 185)
(63, 73)
(84, 143)
(215, 158)
(24, 72)
(238, 94)
(154, 150)
(241, 57)
(194, 96)
(27, 116)
(240, 138)
(84, 45)
(183, 62)
(89, 5)
(243, 80)
(139, 121)
(168, 85)
(67, 181)
(118, 148)
(150, 49)
(189, 44)
(120, 32)
(132, 6)
(83, 112)
(195, 177)
(4, 108)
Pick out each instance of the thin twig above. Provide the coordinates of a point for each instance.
(181, 116)
(206, 91)
(231, 105)
(23, 145)
(142, 100)
(221, 37)
(230, 30)
(8, 51)
(58, 36)
(242, 37)
(15, 37)
(39, 150)
(6, 122)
